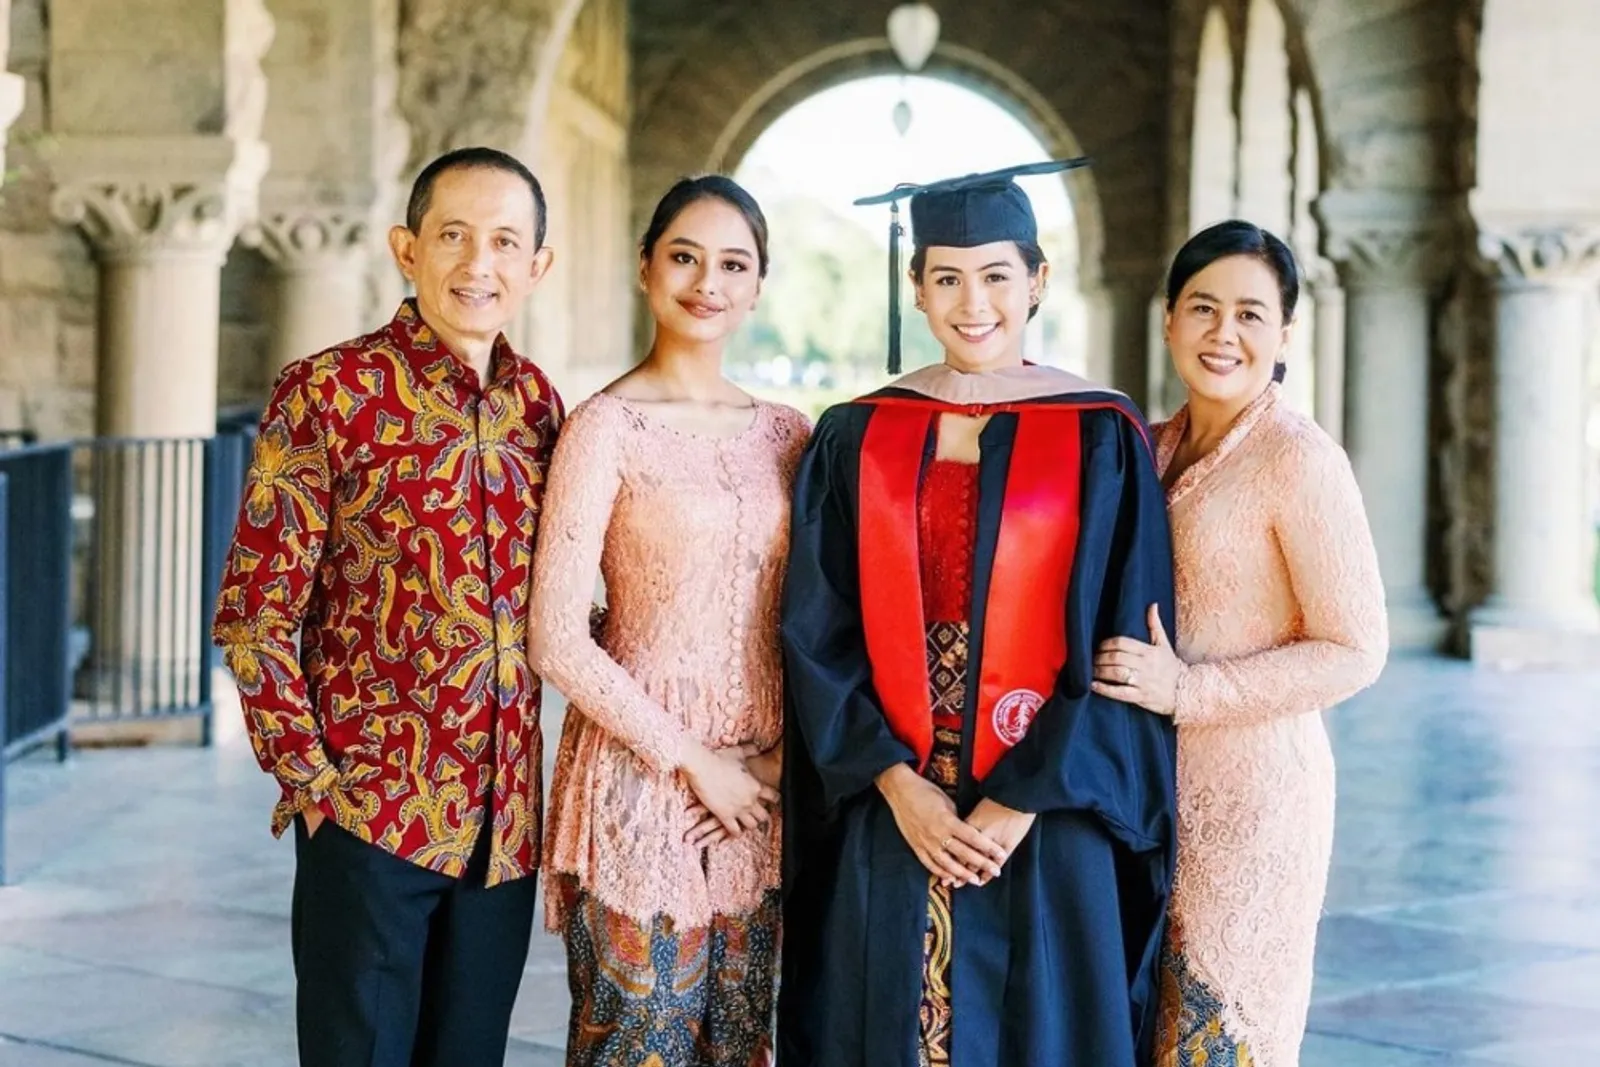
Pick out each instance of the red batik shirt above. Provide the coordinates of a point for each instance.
(389, 518)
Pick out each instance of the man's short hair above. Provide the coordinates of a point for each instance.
(474, 158)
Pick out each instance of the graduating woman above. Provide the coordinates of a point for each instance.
(978, 849)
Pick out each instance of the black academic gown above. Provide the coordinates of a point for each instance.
(1055, 960)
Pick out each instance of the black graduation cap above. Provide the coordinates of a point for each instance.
(965, 212)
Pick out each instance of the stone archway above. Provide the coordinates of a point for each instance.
(851, 60)
(704, 83)
(694, 72)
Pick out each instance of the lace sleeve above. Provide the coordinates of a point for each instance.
(797, 434)
(585, 477)
(1333, 574)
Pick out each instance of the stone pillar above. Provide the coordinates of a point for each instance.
(1266, 122)
(1541, 608)
(160, 205)
(1328, 349)
(160, 242)
(320, 259)
(1392, 254)
(160, 214)
(1119, 332)
(338, 147)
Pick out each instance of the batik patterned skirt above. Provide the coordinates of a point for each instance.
(947, 675)
(659, 996)
(1191, 1033)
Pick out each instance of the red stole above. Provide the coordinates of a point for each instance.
(1024, 631)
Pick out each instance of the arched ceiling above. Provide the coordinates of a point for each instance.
(1098, 71)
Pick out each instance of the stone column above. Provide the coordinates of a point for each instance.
(160, 214)
(1392, 254)
(338, 147)
(160, 204)
(1119, 333)
(1328, 348)
(1541, 608)
(160, 242)
(320, 259)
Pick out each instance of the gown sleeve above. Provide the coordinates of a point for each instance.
(839, 739)
(1085, 751)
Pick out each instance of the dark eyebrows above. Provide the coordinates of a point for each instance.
(1248, 301)
(697, 246)
(937, 268)
(464, 224)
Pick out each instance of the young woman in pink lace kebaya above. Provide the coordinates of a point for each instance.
(661, 850)
(1280, 615)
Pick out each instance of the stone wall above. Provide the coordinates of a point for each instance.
(578, 324)
(366, 92)
(47, 279)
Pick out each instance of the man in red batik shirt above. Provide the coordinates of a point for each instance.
(389, 521)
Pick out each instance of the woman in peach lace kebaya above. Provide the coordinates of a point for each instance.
(1280, 615)
(661, 856)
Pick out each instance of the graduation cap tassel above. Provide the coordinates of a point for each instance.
(895, 230)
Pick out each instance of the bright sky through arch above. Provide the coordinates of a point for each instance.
(841, 144)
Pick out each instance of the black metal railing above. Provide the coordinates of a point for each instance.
(110, 561)
(114, 565)
(4, 632)
(34, 614)
(38, 566)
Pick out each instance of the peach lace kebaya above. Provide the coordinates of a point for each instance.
(1280, 615)
(691, 534)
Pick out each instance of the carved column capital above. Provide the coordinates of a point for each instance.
(1519, 254)
(1388, 240)
(1317, 272)
(294, 239)
(128, 220)
(140, 198)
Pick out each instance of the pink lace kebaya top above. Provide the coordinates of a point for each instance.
(691, 534)
(1280, 616)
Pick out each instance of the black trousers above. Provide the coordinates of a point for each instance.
(397, 966)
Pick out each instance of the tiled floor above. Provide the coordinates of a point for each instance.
(148, 922)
